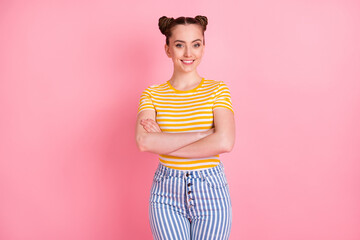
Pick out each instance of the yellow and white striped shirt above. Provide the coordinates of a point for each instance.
(186, 111)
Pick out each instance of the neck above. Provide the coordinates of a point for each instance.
(185, 80)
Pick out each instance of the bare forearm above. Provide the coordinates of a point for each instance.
(208, 146)
(163, 143)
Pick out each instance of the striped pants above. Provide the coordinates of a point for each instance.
(188, 205)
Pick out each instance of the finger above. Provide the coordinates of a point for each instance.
(153, 128)
(148, 121)
(146, 128)
(150, 127)
(154, 123)
(158, 129)
(151, 123)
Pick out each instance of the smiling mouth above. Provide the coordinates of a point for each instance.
(188, 61)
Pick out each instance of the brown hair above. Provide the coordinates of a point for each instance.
(166, 24)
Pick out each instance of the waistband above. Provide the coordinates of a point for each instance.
(163, 170)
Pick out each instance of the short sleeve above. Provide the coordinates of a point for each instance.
(223, 97)
(145, 101)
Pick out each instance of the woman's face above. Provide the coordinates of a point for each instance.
(186, 47)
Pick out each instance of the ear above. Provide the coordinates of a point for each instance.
(167, 50)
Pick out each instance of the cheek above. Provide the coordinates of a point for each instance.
(199, 54)
(177, 53)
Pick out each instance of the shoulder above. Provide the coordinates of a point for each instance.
(215, 82)
(219, 84)
(211, 81)
(154, 87)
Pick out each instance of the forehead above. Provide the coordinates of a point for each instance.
(188, 32)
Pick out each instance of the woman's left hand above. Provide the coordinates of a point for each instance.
(150, 125)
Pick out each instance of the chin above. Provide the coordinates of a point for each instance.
(188, 70)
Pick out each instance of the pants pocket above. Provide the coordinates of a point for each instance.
(216, 181)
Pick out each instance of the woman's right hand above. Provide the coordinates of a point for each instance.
(150, 125)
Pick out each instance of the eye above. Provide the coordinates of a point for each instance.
(197, 45)
(178, 45)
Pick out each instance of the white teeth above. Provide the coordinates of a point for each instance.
(188, 61)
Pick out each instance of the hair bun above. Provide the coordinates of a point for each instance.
(203, 20)
(164, 23)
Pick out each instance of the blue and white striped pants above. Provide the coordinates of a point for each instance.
(188, 205)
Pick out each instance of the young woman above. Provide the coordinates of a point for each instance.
(187, 120)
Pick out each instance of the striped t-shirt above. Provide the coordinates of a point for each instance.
(186, 111)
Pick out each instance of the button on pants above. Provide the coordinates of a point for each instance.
(188, 205)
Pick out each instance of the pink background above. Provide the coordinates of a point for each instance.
(71, 74)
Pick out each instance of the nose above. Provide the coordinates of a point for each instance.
(187, 52)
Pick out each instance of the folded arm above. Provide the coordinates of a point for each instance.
(192, 144)
(222, 140)
(149, 137)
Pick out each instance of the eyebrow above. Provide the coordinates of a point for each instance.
(184, 41)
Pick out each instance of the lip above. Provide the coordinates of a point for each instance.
(188, 60)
